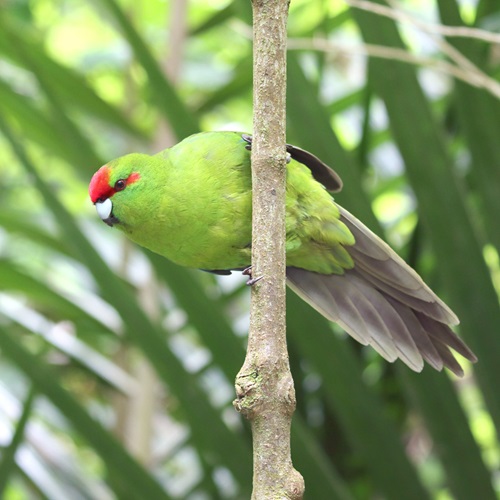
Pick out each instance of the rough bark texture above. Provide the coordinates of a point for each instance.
(264, 386)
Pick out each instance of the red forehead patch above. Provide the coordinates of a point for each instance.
(99, 185)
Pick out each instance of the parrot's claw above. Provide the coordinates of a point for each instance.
(252, 281)
(248, 272)
(248, 139)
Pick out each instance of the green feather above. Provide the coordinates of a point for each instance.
(192, 203)
(193, 206)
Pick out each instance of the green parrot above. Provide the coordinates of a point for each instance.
(192, 203)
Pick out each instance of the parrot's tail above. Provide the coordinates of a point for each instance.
(384, 302)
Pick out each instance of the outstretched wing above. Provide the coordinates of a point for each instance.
(384, 303)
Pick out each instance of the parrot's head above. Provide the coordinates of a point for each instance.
(114, 186)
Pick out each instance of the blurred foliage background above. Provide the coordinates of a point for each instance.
(117, 367)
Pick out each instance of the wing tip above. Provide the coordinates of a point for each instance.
(423, 340)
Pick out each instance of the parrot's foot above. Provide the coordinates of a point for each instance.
(248, 139)
(248, 272)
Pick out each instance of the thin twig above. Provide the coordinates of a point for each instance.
(466, 71)
(474, 77)
(450, 31)
(445, 47)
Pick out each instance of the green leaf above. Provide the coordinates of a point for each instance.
(34, 124)
(239, 84)
(15, 280)
(219, 17)
(135, 479)
(441, 204)
(7, 463)
(321, 478)
(165, 96)
(479, 116)
(70, 86)
(17, 222)
(467, 475)
(361, 414)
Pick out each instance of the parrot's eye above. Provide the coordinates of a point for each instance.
(120, 185)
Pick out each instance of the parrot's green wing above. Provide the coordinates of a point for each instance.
(384, 303)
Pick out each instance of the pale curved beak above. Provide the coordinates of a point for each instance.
(105, 211)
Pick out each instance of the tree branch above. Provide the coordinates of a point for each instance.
(264, 385)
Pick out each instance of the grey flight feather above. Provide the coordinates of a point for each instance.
(384, 303)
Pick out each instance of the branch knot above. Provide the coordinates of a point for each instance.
(247, 393)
